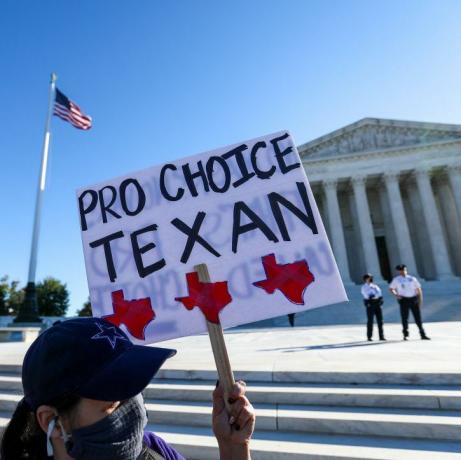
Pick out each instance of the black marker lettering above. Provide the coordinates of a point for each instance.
(306, 218)
(105, 208)
(256, 223)
(240, 159)
(141, 196)
(259, 172)
(87, 210)
(108, 253)
(209, 172)
(284, 168)
(190, 177)
(163, 189)
(143, 270)
(193, 236)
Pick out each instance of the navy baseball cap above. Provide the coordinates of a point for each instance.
(91, 358)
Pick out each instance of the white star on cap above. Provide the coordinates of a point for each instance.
(109, 333)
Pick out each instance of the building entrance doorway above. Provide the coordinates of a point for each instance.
(384, 263)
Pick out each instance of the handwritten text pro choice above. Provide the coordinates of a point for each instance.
(218, 174)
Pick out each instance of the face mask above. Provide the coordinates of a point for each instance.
(64, 436)
(116, 437)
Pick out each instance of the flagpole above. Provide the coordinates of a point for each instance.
(28, 312)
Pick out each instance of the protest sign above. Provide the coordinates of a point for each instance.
(246, 211)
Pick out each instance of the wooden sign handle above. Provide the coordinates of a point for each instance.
(215, 332)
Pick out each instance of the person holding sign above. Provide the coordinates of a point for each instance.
(82, 382)
(373, 300)
(408, 292)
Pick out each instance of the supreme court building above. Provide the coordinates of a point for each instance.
(389, 192)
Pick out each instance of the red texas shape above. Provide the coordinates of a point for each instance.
(211, 298)
(291, 279)
(135, 314)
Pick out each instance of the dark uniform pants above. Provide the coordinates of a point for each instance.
(374, 309)
(407, 304)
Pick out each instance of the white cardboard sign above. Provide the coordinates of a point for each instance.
(246, 210)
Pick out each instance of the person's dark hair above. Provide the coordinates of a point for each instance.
(23, 438)
(367, 276)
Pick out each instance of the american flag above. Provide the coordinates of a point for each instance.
(69, 111)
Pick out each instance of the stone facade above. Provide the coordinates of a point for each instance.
(390, 192)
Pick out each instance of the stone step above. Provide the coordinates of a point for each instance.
(422, 397)
(10, 382)
(196, 443)
(9, 400)
(400, 423)
(199, 444)
(345, 378)
(199, 414)
(387, 396)
(13, 369)
(326, 377)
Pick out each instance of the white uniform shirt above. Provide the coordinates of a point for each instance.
(371, 289)
(406, 286)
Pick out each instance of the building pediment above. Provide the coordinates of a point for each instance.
(374, 134)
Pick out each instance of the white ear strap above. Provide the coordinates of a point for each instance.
(49, 446)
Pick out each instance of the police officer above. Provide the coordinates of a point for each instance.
(372, 299)
(408, 292)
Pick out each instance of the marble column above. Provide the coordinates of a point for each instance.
(454, 174)
(434, 227)
(366, 227)
(336, 229)
(399, 221)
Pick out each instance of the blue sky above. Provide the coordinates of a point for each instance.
(166, 79)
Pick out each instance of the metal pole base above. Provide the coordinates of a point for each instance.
(28, 313)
